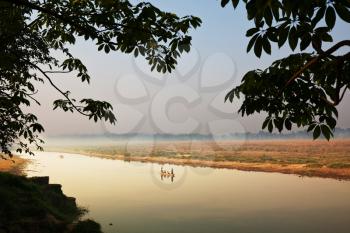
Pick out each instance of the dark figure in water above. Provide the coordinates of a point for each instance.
(167, 174)
(172, 175)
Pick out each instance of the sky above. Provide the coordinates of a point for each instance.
(189, 100)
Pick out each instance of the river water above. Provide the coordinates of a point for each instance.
(132, 197)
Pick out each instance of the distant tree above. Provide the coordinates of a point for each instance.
(31, 29)
(302, 89)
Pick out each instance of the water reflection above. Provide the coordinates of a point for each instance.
(166, 174)
(135, 199)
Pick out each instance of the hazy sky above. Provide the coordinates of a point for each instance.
(189, 100)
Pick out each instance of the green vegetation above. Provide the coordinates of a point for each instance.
(31, 206)
(302, 89)
(309, 85)
(38, 28)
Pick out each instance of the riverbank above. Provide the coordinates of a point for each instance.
(301, 157)
(33, 205)
(14, 165)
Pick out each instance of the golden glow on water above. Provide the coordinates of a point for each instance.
(134, 199)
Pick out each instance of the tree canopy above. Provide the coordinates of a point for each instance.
(31, 29)
(304, 88)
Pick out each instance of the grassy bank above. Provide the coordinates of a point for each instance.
(303, 157)
(32, 205)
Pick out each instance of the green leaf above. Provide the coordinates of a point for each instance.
(268, 16)
(136, 52)
(326, 132)
(266, 121)
(319, 15)
(251, 42)
(187, 47)
(107, 49)
(343, 12)
(276, 12)
(279, 124)
(331, 122)
(173, 45)
(330, 17)
(317, 132)
(305, 42)
(251, 32)
(270, 126)
(266, 45)
(288, 124)
(142, 50)
(258, 47)
(224, 3)
(293, 38)
(327, 37)
(235, 3)
(282, 36)
(100, 47)
(272, 35)
(311, 127)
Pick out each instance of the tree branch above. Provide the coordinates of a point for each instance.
(56, 72)
(35, 100)
(314, 60)
(58, 89)
(342, 95)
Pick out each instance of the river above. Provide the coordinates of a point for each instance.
(132, 197)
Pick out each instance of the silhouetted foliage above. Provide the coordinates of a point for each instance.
(302, 89)
(87, 226)
(31, 29)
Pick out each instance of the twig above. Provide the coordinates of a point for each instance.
(342, 95)
(56, 72)
(58, 89)
(35, 100)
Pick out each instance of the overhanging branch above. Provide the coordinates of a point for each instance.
(58, 89)
(317, 58)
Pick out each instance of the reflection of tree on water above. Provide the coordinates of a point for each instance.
(167, 174)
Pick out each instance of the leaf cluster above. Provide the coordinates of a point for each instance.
(302, 89)
(31, 29)
(303, 23)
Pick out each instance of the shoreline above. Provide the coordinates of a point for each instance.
(44, 209)
(289, 169)
(15, 165)
(299, 157)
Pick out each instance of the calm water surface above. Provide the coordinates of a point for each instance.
(134, 198)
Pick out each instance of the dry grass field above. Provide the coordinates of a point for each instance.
(303, 157)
